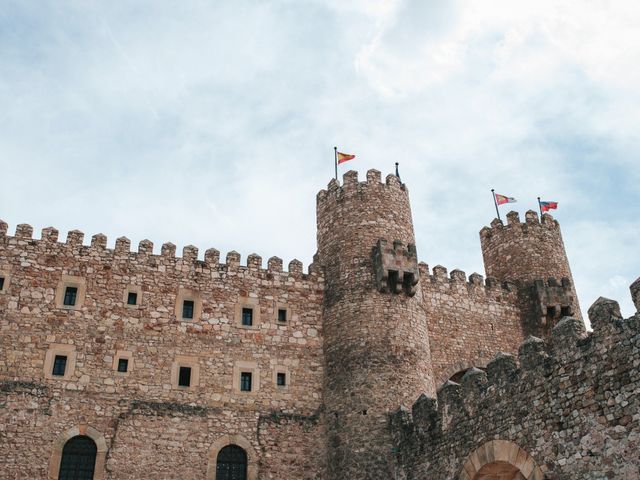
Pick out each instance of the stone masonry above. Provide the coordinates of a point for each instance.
(328, 373)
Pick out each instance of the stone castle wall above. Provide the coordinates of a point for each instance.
(144, 411)
(566, 409)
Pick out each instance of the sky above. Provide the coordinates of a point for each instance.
(213, 123)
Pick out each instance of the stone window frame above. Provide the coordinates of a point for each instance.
(133, 289)
(247, 302)
(232, 439)
(279, 368)
(7, 280)
(71, 281)
(241, 366)
(64, 437)
(185, 361)
(276, 316)
(123, 354)
(62, 349)
(195, 297)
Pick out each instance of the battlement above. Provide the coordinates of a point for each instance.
(538, 361)
(144, 255)
(532, 220)
(351, 186)
(396, 267)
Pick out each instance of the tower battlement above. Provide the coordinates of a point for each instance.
(350, 186)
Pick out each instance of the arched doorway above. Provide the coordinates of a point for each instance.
(78, 459)
(231, 463)
(499, 471)
(500, 460)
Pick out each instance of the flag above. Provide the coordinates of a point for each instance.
(546, 206)
(502, 199)
(344, 157)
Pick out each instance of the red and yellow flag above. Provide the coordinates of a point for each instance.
(344, 157)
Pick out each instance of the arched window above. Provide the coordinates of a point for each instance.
(231, 463)
(78, 459)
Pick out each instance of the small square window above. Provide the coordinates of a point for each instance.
(59, 365)
(70, 296)
(247, 316)
(282, 315)
(245, 381)
(132, 298)
(123, 365)
(184, 377)
(281, 379)
(1, 283)
(187, 309)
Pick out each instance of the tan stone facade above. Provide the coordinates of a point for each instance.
(162, 362)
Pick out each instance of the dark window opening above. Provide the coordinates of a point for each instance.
(281, 379)
(231, 463)
(1, 283)
(184, 378)
(245, 381)
(123, 365)
(187, 309)
(59, 365)
(282, 315)
(132, 298)
(78, 459)
(392, 280)
(364, 412)
(247, 317)
(70, 296)
(565, 311)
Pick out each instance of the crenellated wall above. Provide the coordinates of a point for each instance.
(563, 409)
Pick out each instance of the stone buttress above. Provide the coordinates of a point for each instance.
(376, 341)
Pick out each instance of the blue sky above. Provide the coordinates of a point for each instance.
(213, 123)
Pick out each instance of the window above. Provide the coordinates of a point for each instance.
(282, 315)
(70, 295)
(123, 365)
(187, 309)
(78, 459)
(1, 283)
(247, 316)
(59, 365)
(245, 381)
(281, 379)
(184, 377)
(132, 298)
(231, 463)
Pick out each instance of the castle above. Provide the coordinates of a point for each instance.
(131, 365)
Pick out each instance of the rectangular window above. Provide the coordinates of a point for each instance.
(132, 298)
(70, 294)
(1, 283)
(184, 378)
(282, 315)
(245, 381)
(281, 379)
(187, 309)
(123, 365)
(247, 316)
(59, 365)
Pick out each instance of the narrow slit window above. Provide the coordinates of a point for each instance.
(1, 283)
(282, 315)
(123, 365)
(59, 365)
(565, 311)
(184, 377)
(70, 296)
(132, 298)
(245, 381)
(187, 309)
(247, 316)
(281, 379)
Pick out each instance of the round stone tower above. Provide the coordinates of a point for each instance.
(532, 255)
(375, 329)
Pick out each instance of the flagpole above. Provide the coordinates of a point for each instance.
(493, 193)
(335, 154)
(540, 207)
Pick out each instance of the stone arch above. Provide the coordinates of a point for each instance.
(239, 440)
(500, 459)
(58, 446)
(460, 367)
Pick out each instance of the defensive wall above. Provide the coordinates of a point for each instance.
(567, 408)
